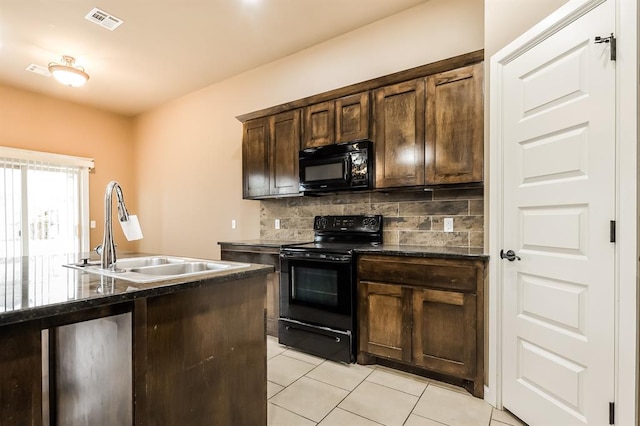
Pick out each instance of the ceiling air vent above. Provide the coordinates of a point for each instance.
(39, 69)
(103, 19)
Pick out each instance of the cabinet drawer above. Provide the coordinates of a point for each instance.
(448, 274)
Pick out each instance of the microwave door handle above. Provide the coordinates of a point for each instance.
(347, 168)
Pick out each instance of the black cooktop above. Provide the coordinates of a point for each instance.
(343, 234)
(340, 248)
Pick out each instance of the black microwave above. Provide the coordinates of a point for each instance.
(337, 167)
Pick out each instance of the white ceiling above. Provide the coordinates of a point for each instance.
(166, 48)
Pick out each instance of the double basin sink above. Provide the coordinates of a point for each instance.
(159, 268)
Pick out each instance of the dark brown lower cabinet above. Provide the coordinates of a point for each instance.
(385, 320)
(444, 331)
(266, 256)
(424, 315)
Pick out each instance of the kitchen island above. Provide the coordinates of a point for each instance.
(80, 348)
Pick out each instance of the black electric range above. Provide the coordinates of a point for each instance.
(318, 286)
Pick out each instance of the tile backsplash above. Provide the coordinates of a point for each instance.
(410, 218)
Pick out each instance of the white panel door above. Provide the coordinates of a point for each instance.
(558, 120)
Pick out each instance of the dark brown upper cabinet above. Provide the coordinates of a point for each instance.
(255, 158)
(335, 121)
(430, 131)
(454, 122)
(319, 124)
(398, 135)
(426, 124)
(270, 155)
(284, 145)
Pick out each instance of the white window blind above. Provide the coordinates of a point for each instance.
(44, 203)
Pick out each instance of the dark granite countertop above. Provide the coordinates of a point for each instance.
(263, 243)
(425, 251)
(39, 286)
(385, 249)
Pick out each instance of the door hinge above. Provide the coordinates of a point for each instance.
(612, 231)
(612, 413)
(611, 40)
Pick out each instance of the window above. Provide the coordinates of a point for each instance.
(44, 203)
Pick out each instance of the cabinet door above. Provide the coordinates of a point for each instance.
(319, 125)
(21, 391)
(398, 113)
(352, 117)
(454, 143)
(255, 158)
(284, 145)
(444, 331)
(384, 318)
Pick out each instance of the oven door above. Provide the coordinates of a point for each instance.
(317, 289)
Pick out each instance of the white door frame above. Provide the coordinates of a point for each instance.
(626, 280)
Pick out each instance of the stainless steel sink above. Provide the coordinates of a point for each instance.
(137, 262)
(181, 268)
(160, 268)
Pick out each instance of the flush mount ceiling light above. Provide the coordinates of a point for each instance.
(67, 73)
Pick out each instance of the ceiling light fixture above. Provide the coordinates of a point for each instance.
(67, 73)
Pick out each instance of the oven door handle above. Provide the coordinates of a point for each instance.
(291, 328)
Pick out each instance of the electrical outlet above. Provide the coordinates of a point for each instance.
(448, 224)
(233, 224)
(276, 223)
(92, 224)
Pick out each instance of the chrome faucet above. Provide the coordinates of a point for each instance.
(108, 249)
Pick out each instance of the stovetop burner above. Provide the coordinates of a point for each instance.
(343, 234)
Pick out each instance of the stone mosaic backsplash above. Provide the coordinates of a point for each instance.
(410, 218)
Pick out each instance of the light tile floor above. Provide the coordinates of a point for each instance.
(306, 390)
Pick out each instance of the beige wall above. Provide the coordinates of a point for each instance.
(185, 182)
(41, 123)
(505, 20)
(188, 152)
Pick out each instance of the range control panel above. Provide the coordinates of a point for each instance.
(348, 224)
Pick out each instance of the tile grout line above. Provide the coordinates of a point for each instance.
(366, 378)
(345, 397)
(293, 412)
(336, 386)
(285, 387)
(304, 375)
(406, 393)
(296, 380)
(417, 401)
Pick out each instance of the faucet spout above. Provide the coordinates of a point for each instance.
(108, 255)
